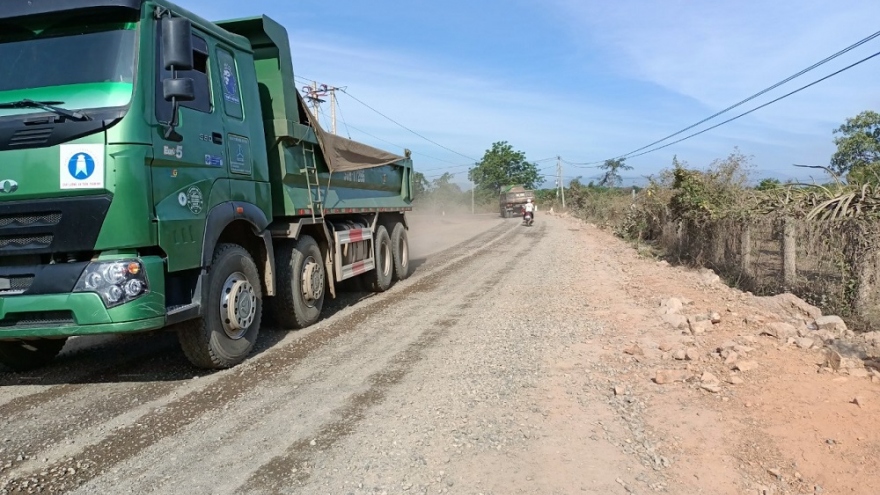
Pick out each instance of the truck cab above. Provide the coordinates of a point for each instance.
(137, 139)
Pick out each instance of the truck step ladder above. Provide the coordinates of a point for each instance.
(316, 200)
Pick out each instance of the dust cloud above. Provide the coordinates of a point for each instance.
(430, 233)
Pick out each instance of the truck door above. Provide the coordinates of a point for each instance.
(189, 174)
(239, 161)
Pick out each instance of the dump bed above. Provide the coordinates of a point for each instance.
(516, 195)
(352, 176)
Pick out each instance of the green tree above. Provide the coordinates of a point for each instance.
(502, 166)
(702, 194)
(858, 148)
(444, 190)
(421, 186)
(767, 184)
(612, 177)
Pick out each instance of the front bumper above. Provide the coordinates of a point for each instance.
(70, 314)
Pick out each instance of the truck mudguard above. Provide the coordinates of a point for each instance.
(224, 214)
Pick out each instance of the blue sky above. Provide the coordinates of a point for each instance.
(584, 80)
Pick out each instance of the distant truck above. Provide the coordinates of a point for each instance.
(512, 200)
(160, 170)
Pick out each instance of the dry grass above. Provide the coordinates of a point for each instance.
(837, 239)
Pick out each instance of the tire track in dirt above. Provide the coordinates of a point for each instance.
(56, 411)
(285, 410)
(37, 412)
(164, 421)
(293, 465)
(75, 375)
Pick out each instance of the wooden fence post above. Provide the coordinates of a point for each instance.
(865, 264)
(789, 253)
(679, 237)
(746, 249)
(719, 244)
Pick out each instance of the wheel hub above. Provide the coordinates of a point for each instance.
(238, 305)
(387, 261)
(312, 281)
(403, 248)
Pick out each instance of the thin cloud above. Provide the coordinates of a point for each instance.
(594, 80)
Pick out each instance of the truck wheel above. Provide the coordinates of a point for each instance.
(301, 283)
(233, 307)
(23, 355)
(380, 278)
(400, 251)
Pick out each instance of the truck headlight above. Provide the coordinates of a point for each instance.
(117, 282)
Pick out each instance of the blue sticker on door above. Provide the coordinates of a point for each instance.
(230, 85)
(239, 155)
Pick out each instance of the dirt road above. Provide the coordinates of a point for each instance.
(498, 367)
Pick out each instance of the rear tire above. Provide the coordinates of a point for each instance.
(233, 308)
(24, 355)
(400, 251)
(301, 283)
(381, 277)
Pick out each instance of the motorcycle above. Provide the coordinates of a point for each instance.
(528, 218)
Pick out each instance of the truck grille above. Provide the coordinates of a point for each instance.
(15, 285)
(37, 319)
(30, 137)
(26, 220)
(56, 225)
(34, 241)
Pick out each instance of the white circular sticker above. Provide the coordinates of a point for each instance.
(181, 198)
(194, 199)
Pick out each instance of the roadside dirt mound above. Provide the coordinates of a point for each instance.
(752, 394)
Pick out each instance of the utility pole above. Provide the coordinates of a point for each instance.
(559, 182)
(314, 93)
(333, 110)
(473, 189)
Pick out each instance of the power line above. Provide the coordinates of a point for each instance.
(395, 122)
(750, 98)
(582, 164)
(399, 146)
(347, 126)
(410, 130)
(632, 154)
(760, 106)
(477, 163)
(448, 168)
(347, 131)
(407, 128)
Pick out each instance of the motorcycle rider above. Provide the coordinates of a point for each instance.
(529, 208)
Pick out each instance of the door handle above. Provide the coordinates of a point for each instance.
(217, 138)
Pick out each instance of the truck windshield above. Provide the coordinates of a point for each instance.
(83, 65)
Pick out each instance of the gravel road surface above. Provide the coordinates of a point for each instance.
(441, 384)
(514, 360)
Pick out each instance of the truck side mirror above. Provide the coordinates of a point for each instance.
(183, 89)
(177, 51)
(177, 55)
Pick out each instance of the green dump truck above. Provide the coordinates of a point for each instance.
(161, 171)
(512, 199)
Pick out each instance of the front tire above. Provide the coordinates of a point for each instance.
(24, 355)
(381, 277)
(400, 251)
(302, 282)
(233, 305)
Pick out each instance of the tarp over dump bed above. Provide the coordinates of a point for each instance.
(345, 155)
